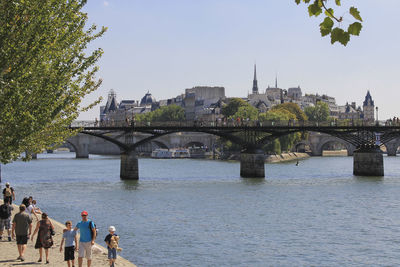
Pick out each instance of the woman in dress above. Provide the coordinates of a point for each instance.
(44, 238)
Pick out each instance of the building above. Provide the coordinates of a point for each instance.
(201, 102)
(295, 93)
(114, 112)
(350, 112)
(369, 108)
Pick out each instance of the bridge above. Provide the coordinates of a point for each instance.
(364, 141)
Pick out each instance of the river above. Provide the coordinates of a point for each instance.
(187, 212)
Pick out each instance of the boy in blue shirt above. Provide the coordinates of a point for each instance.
(71, 241)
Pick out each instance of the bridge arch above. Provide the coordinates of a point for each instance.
(331, 139)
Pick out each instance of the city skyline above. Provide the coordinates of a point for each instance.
(165, 48)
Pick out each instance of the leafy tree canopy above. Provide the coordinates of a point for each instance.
(277, 115)
(233, 106)
(327, 26)
(45, 72)
(320, 112)
(245, 112)
(163, 114)
(292, 108)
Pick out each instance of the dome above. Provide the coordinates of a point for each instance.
(148, 99)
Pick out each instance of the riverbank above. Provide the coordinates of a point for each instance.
(285, 157)
(9, 252)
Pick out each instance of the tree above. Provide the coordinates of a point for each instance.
(233, 106)
(284, 142)
(292, 108)
(320, 112)
(164, 114)
(337, 34)
(44, 72)
(245, 112)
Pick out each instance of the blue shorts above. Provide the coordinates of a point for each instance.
(112, 253)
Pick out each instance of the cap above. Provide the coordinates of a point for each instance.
(7, 183)
(111, 228)
(84, 212)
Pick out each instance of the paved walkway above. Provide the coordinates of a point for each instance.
(9, 252)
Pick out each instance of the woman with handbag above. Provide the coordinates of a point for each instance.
(44, 238)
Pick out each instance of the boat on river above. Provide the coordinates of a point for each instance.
(162, 153)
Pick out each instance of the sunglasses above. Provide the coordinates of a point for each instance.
(83, 215)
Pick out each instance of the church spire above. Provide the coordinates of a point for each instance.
(255, 86)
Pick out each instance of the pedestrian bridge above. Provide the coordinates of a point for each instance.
(363, 141)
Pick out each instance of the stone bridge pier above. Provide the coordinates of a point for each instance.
(252, 163)
(129, 169)
(368, 162)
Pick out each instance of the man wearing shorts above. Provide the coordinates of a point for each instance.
(22, 228)
(86, 240)
(5, 219)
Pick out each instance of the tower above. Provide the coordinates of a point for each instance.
(255, 86)
(368, 108)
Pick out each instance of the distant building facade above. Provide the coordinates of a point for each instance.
(369, 108)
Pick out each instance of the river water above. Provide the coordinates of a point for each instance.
(187, 212)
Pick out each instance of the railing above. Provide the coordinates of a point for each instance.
(231, 123)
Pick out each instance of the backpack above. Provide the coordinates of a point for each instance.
(90, 227)
(8, 192)
(5, 211)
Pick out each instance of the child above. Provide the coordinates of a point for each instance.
(112, 245)
(36, 208)
(69, 235)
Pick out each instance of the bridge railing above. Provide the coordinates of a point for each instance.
(227, 123)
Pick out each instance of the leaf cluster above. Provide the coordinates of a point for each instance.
(327, 26)
(165, 113)
(228, 110)
(45, 71)
(318, 113)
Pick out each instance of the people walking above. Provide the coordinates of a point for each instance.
(71, 244)
(5, 219)
(44, 239)
(87, 237)
(21, 228)
(8, 193)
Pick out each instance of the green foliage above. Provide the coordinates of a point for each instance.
(282, 113)
(45, 71)
(245, 112)
(233, 106)
(292, 108)
(274, 147)
(320, 112)
(337, 34)
(163, 114)
(277, 115)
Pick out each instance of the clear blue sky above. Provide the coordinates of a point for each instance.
(165, 46)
